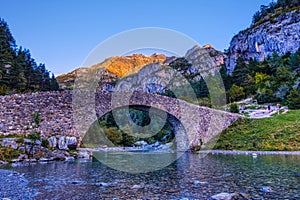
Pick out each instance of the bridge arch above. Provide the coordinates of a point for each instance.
(180, 134)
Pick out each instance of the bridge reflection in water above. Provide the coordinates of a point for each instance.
(137, 162)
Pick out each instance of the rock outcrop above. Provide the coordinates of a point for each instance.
(279, 33)
(113, 68)
(157, 78)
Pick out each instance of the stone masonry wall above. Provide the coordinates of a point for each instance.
(56, 111)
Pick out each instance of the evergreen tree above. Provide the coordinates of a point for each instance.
(7, 52)
(294, 61)
(18, 71)
(53, 83)
(240, 75)
(293, 99)
(272, 7)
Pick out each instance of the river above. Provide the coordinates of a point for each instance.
(189, 177)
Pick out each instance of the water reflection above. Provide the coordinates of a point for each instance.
(188, 177)
(137, 162)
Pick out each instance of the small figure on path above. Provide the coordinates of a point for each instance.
(278, 108)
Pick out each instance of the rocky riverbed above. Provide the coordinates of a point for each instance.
(15, 186)
(215, 176)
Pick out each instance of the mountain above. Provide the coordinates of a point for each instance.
(278, 31)
(114, 68)
(178, 75)
(118, 68)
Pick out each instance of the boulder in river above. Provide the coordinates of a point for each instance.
(224, 196)
(60, 155)
(266, 189)
(3, 162)
(71, 143)
(156, 144)
(85, 154)
(70, 158)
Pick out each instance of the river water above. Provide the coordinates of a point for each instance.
(189, 177)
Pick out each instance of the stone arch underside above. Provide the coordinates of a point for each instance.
(182, 142)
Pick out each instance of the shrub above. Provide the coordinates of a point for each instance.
(127, 138)
(3, 89)
(45, 143)
(36, 118)
(196, 148)
(114, 135)
(236, 93)
(234, 108)
(34, 136)
(7, 154)
(293, 99)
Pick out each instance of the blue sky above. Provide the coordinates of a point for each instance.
(61, 33)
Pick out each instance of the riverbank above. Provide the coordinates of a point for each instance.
(253, 153)
(32, 148)
(277, 133)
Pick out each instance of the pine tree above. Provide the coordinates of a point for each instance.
(294, 61)
(18, 70)
(53, 83)
(7, 52)
(240, 73)
(293, 99)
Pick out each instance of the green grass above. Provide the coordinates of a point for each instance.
(278, 133)
(13, 136)
(8, 154)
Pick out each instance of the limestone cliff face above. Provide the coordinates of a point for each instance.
(277, 33)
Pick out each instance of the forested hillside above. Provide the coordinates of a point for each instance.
(273, 7)
(19, 72)
(276, 79)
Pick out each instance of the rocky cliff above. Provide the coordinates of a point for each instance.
(176, 75)
(114, 68)
(279, 32)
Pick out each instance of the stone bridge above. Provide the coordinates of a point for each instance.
(69, 113)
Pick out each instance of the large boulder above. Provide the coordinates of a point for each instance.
(85, 154)
(9, 142)
(60, 155)
(52, 142)
(223, 196)
(230, 196)
(140, 144)
(62, 145)
(32, 149)
(71, 143)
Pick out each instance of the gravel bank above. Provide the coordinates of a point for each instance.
(14, 186)
(235, 152)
